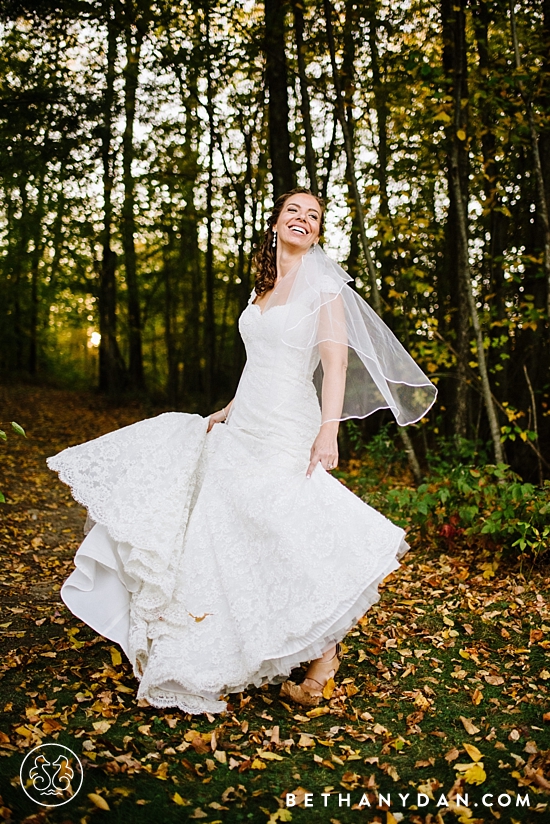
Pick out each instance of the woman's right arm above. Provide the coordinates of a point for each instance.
(219, 417)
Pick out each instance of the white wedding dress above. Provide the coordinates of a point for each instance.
(212, 560)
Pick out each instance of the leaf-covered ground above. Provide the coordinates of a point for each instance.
(443, 690)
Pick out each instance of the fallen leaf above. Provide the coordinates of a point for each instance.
(98, 801)
(116, 657)
(477, 697)
(198, 619)
(473, 752)
(476, 774)
(270, 756)
(328, 689)
(470, 728)
(318, 711)
(102, 726)
(452, 755)
(494, 680)
(181, 802)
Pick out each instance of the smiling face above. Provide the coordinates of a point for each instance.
(299, 223)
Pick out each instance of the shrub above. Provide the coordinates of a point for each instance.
(488, 502)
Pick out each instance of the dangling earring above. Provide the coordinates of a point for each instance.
(274, 241)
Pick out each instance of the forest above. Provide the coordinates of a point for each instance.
(142, 144)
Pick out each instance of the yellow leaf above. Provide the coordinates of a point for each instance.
(448, 621)
(116, 657)
(182, 802)
(199, 618)
(475, 775)
(258, 765)
(270, 756)
(477, 697)
(473, 752)
(461, 134)
(442, 116)
(98, 801)
(317, 712)
(280, 815)
(328, 689)
(464, 654)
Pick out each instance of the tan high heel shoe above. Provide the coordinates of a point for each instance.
(324, 670)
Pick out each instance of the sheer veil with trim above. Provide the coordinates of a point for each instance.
(322, 308)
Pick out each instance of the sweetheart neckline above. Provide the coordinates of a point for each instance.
(256, 306)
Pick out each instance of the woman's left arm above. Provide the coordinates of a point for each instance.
(334, 359)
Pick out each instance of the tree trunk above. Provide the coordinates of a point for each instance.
(282, 170)
(111, 364)
(348, 145)
(542, 203)
(209, 318)
(311, 160)
(330, 157)
(35, 263)
(455, 57)
(495, 222)
(131, 74)
(382, 112)
(347, 80)
(170, 308)
(375, 295)
(455, 69)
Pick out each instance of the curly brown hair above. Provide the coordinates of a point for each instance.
(265, 259)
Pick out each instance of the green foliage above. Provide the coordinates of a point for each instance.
(479, 504)
(484, 504)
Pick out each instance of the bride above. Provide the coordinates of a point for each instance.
(220, 553)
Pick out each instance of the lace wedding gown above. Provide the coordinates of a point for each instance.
(212, 560)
